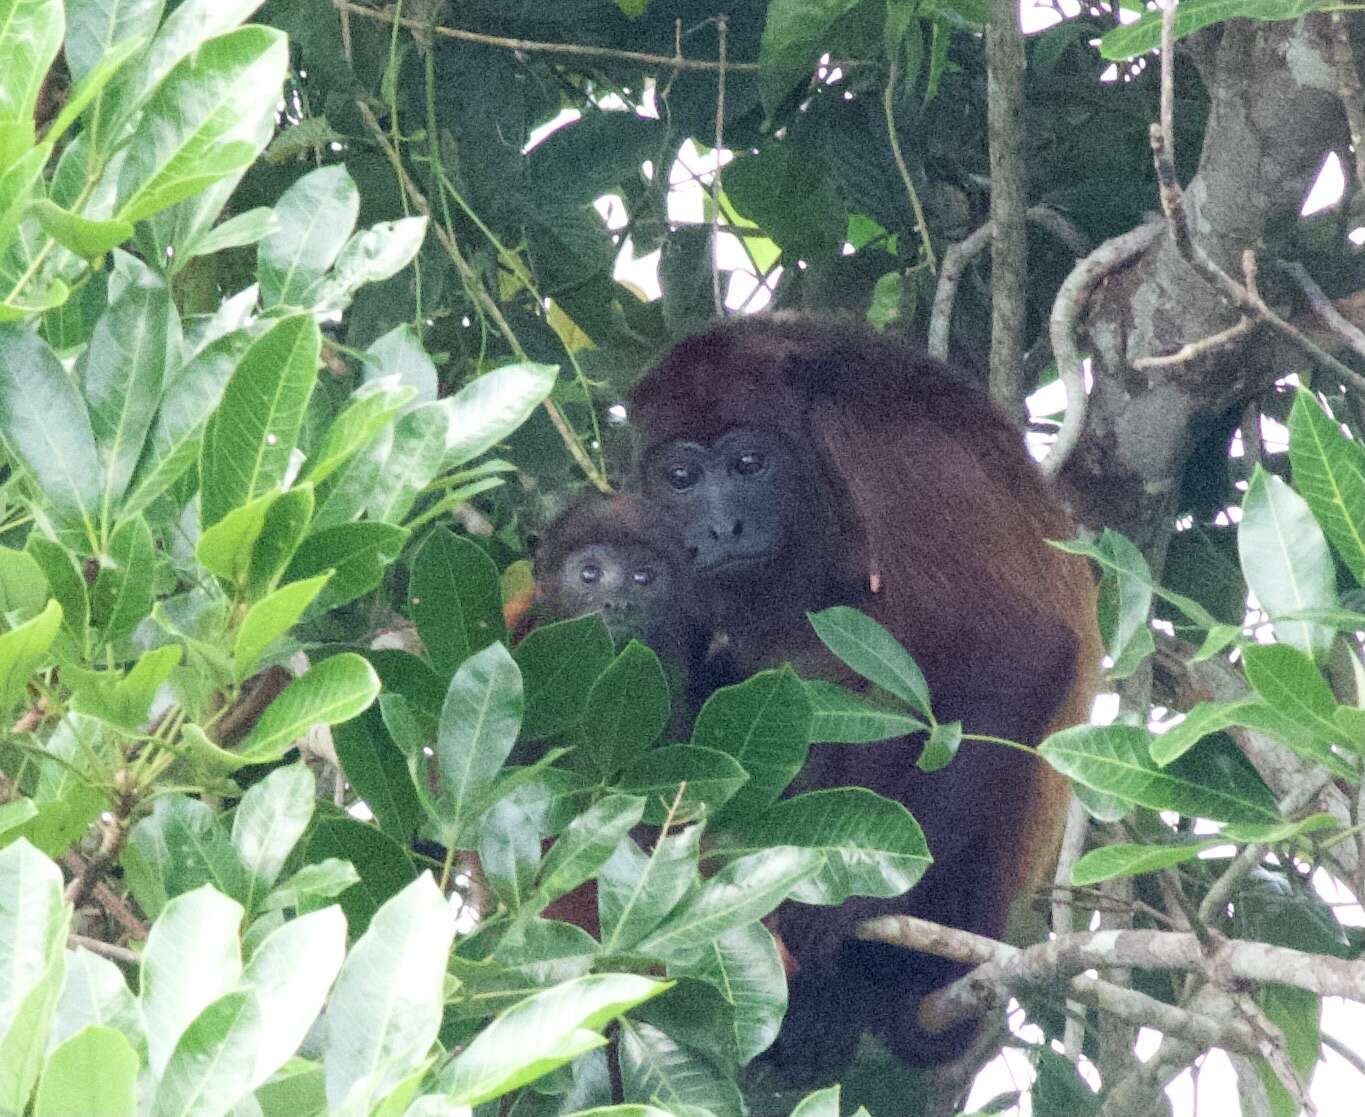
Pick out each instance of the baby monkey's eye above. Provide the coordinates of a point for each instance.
(642, 577)
(590, 574)
(749, 463)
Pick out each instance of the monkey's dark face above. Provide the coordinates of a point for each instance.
(735, 502)
(634, 587)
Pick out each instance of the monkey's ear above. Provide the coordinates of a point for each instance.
(516, 613)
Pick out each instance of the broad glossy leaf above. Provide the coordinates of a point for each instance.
(698, 1016)
(23, 649)
(356, 554)
(315, 216)
(124, 699)
(16, 187)
(236, 232)
(378, 771)
(372, 406)
(270, 820)
(509, 853)
(1125, 604)
(30, 36)
(559, 663)
(269, 619)
(45, 426)
(179, 847)
(192, 958)
(382, 863)
(95, 994)
(488, 409)
(635, 890)
(200, 125)
(84, 236)
(33, 925)
(628, 709)
(190, 396)
(1286, 561)
(335, 690)
(478, 728)
(121, 598)
(95, 1071)
(874, 653)
(248, 441)
(286, 520)
(386, 1009)
(212, 1064)
(23, 589)
(587, 842)
(372, 255)
(290, 974)
(541, 1033)
(66, 794)
(1136, 38)
(654, 1065)
(1126, 860)
(746, 966)
(411, 461)
(708, 779)
(764, 723)
(793, 34)
(871, 844)
(840, 717)
(312, 885)
(1329, 473)
(225, 547)
(746, 889)
(398, 358)
(1290, 683)
(1115, 759)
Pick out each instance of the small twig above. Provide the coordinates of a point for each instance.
(1348, 89)
(1345, 1051)
(530, 46)
(889, 110)
(1072, 296)
(1253, 446)
(1073, 845)
(120, 954)
(1204, 347)
(718, 299)
(474, 284)
(1322, 306)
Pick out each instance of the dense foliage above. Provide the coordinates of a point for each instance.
(305, 327)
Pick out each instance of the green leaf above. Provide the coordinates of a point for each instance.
(15, 814)
(45, 427)
(386, 1008)
(794, 35)
(628, 709)
(123, 372)
(655, 1065)
(91, 84)
(1293, 686)
(179, 847)
(370, 256)
(372, 406)
(748, 888)
(121, 598)
(1329, 473)
(124, 700)
(941, 746)
(270, 820)
(285, 522)
(314, 218)
(30, 36)
(1285, 560)
(211, 1066)
(236, 232)
(201, 123)
(248, 441)
(192, 959)
(375, 767)
(1126, 860)
(335, 690)
(95, 1071)
(543, 1032)
(226, 546)
(34, 921)
(559, 663)
(764, 723)
(477, 730)
(312, 884)
(745, 966)
(65, 581)
(708, 779)
(412, 462)
(84, 236)
(190, 396)
(587, 842)
(397, 359)
(1115, 759)
(16, 184)
(66, 796)
(636, 891)
(269, 619)
(489, 408)
(455, 599)
(871, 844)
(509, 853)
(874, 653)
(22, 651)
(840, 717)
(357, 555)
(95, 994)
(1125, 605)
(23, 589)
(290, 974)
(1192, 15)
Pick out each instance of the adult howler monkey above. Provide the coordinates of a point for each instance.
(807, 464)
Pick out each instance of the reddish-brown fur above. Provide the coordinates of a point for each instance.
(932, 499)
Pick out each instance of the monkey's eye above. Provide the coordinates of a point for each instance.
(642, 577)
(683, 476)
(750, 463)
(590, 574)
